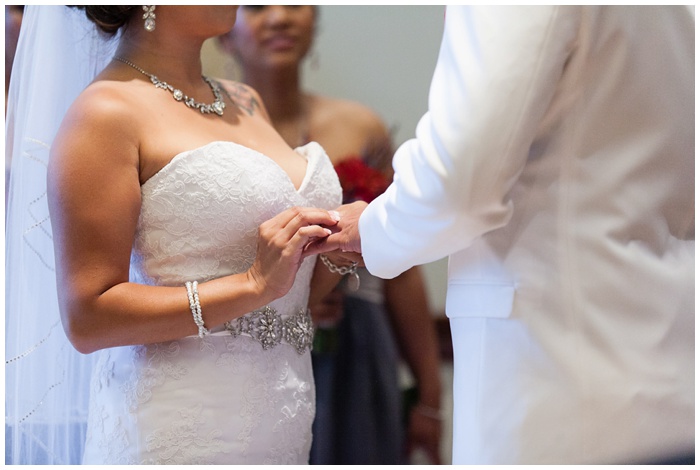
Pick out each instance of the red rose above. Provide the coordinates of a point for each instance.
(359, 181)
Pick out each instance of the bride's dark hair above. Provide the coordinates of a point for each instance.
(108, 18)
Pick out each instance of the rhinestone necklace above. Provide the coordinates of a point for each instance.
(216, 107)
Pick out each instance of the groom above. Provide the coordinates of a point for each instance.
(555, 167)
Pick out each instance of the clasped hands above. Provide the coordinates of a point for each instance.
(292, 235)
(345, 235)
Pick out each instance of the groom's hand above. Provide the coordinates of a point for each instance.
(345, 236)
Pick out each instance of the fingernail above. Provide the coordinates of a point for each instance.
(335, 215)
(327, 230)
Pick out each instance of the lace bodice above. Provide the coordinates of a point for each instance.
(200, 213)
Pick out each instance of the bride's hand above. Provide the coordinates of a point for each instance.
(281, 242)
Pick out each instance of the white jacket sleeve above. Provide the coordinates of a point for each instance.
(495, 77)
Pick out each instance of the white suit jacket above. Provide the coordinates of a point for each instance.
(555, 167)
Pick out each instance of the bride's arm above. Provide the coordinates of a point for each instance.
(94, 200)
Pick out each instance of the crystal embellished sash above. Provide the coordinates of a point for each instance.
(268, 328)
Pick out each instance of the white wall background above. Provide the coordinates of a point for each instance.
(382, 56)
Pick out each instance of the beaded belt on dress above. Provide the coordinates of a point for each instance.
(268, 328)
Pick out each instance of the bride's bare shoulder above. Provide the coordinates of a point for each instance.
(104, 117)
(105, 98)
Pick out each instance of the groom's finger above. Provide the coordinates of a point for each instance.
(324, 245)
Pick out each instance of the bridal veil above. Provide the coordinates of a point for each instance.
(46, 379)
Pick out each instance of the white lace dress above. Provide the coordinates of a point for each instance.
(225, 398)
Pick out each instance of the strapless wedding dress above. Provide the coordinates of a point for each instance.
(232, 397)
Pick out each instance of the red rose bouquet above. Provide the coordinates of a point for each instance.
(359, 181)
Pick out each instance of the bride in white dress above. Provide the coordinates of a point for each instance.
(179, 225)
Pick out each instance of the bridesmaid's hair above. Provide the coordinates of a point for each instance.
(108, 18)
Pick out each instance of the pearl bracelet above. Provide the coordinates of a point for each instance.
(195, 307)
(354, 281)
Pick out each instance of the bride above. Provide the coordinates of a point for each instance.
(179, 218)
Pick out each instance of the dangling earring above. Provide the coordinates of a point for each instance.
(150, 17)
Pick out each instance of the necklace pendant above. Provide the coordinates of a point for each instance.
(219, 107)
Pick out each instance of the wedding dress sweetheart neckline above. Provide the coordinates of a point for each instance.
(252, 152)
